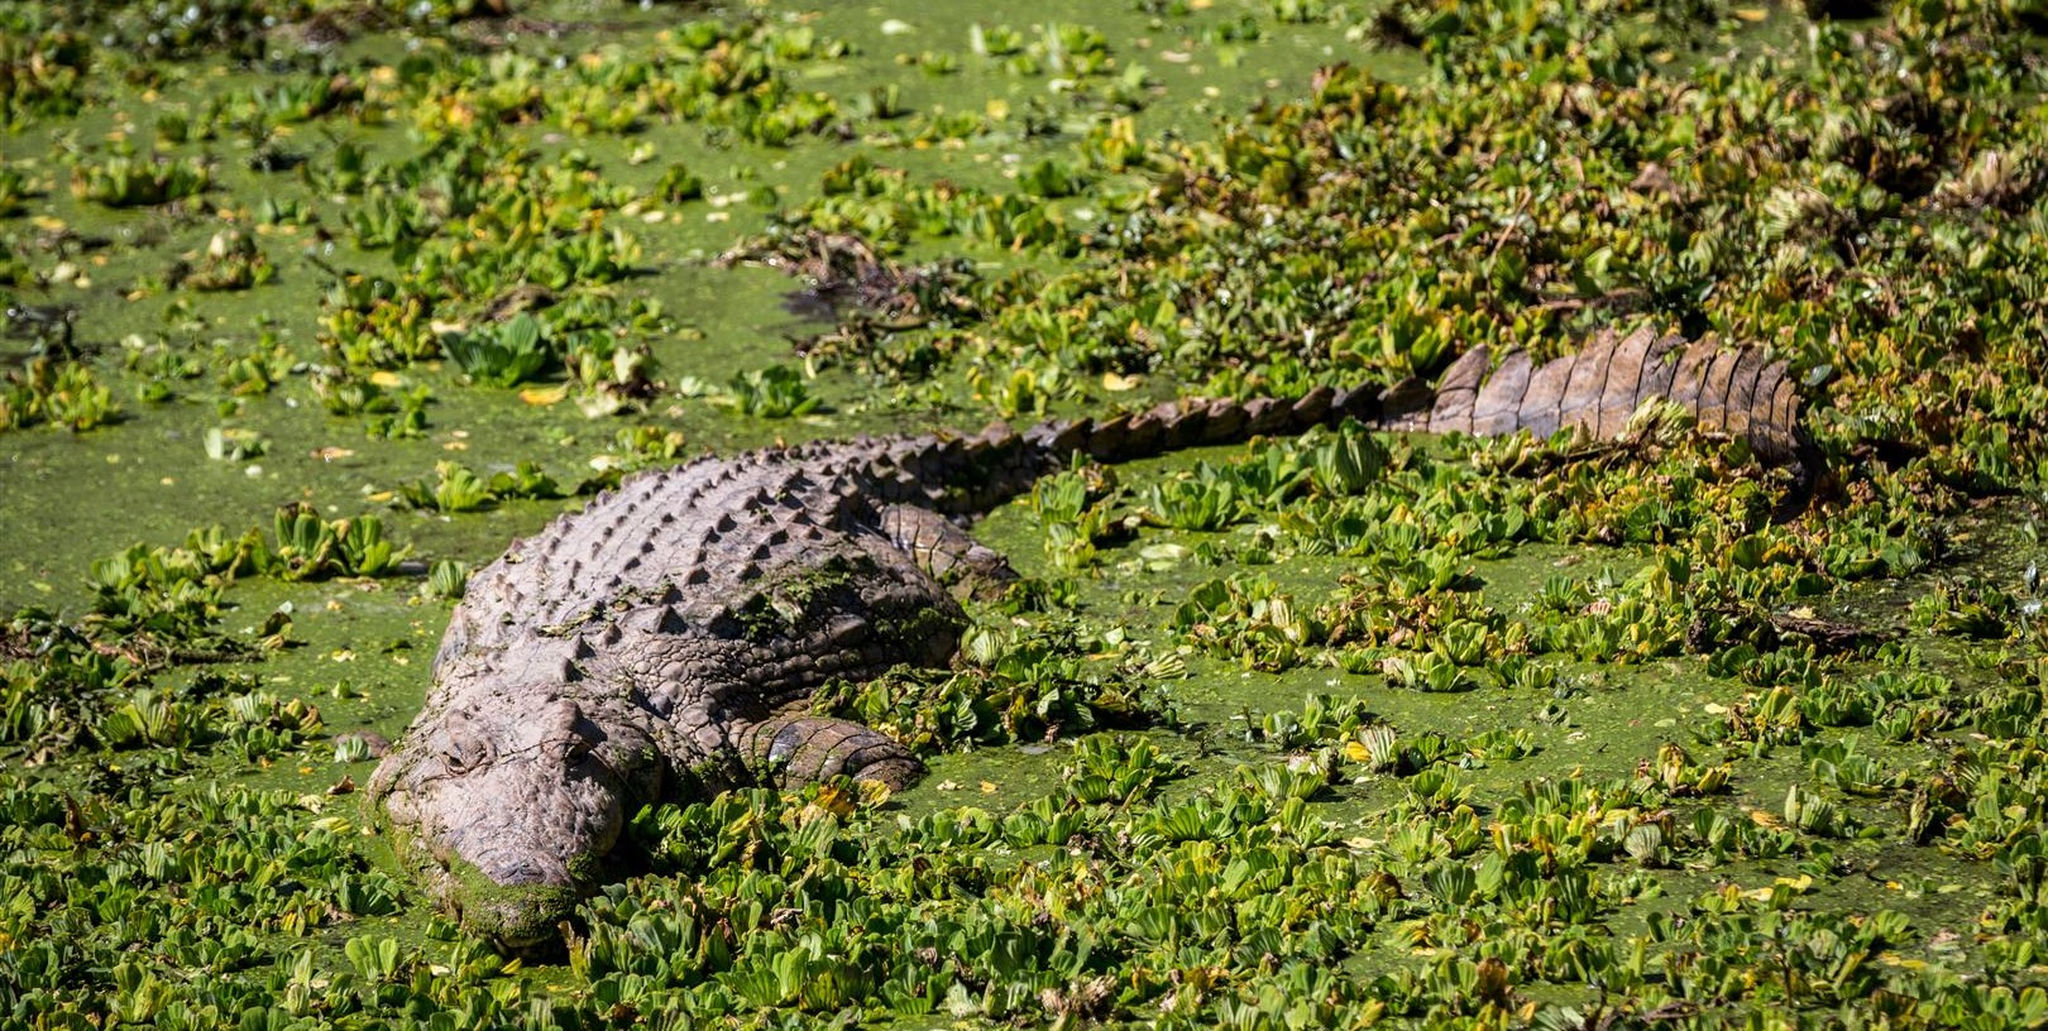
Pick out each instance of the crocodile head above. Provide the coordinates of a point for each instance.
(511, 814)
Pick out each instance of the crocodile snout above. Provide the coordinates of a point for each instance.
(517, 917)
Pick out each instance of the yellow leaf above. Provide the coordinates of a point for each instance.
(544, 395)
(987, 788)
(1115, 383)
(1752, 13)
(1356, 752)
(835, 801)
(384, 378)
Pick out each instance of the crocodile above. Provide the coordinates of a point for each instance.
(661, 643)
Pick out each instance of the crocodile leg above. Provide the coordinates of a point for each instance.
(798, 748)
(944, 551)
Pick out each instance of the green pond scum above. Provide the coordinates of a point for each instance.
(310, 307)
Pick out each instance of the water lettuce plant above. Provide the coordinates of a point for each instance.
(504, 355)
(123, 181)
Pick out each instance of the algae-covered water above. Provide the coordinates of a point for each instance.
(1355, 728)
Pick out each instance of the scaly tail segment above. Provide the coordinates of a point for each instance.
(966, 475)
(1733, 392)
(1736, 392)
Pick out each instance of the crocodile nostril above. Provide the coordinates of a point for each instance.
(517, 869)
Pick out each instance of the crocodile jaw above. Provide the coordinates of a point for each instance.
(510, 838)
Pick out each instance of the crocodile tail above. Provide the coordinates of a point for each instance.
(1199, 423)
(1737, 392)
(1734, 392)
(964, 475)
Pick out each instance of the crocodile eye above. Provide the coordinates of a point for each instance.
(461, 759)
(466, 749)
(572, 737)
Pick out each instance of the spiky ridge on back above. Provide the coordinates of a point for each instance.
(684, 551)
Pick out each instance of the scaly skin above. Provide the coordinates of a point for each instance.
(645, 648)
(661, 643)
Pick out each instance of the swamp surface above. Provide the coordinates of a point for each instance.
(313, 307)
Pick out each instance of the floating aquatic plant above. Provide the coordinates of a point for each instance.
(123, 181)
(308, 547)
(503, 355)
(774, 392)
(66, 394)
(457, 488)
(233, 261)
